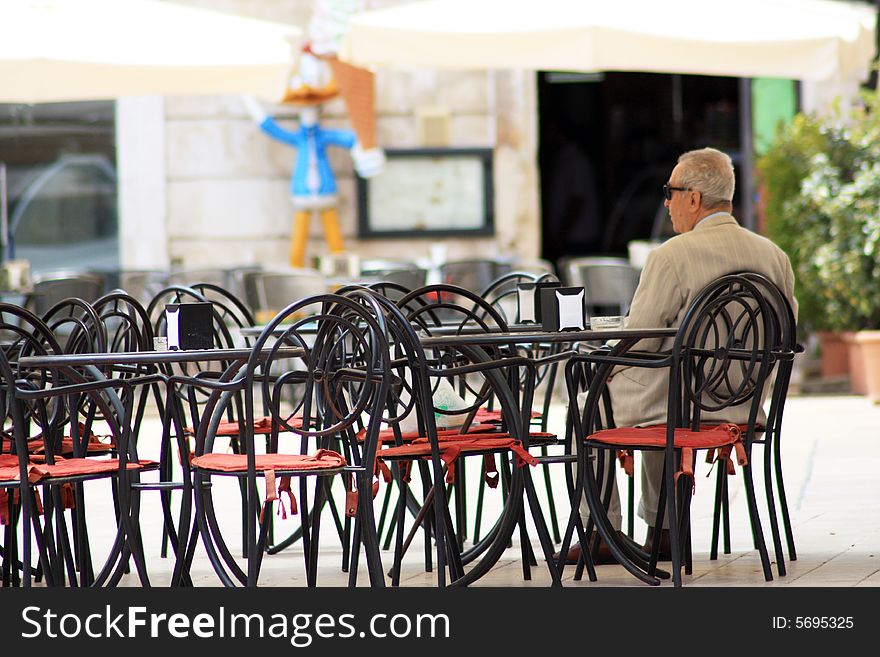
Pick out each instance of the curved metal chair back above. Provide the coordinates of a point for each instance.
(502, 292)
(142, 284)
(76, 326)
(187, 277)
(724, 347)
(610, 283)
(240, 282)
(126, 322)
(474, 275)
(22, 333)
(230, 315)
(276, 290)
(342, 375)
(402, 272)
(51, 288)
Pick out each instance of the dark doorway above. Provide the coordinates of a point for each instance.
(607, 144)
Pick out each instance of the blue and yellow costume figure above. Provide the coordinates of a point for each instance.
(312, 185)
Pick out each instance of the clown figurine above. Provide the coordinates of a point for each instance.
(313, 186)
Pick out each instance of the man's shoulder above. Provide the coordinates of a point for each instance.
(759, 241)
(703, 241)
(724, 228)
(672, 246)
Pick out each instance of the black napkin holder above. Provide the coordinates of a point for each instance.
(563, 309)
(190, 325)
(528, 297)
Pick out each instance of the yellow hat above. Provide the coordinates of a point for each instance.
(312, 81)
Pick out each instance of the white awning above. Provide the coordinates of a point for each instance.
(798, 39)
(63, 50)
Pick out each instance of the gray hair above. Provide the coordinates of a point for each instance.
(710, 172)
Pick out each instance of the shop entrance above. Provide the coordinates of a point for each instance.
(607, 144)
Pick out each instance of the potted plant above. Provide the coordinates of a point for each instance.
(823, 179)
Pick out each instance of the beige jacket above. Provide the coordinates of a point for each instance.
(673, 275)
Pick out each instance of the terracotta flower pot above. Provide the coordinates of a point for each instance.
(869, 342)
(835, 358)
(857, 378)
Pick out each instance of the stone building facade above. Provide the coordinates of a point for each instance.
(201, 186)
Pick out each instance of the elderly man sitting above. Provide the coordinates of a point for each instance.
(710, 243)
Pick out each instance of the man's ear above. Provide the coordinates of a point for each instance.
(695, 198)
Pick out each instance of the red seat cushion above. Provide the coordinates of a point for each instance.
(95, 444)
(485, 415)
(452, 446)
(655, 436)
(262, 425)
(387, 435)
(85, 466)
(723, 436)
(323, 459)
(39, 470)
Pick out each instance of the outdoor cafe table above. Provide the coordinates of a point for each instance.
(468, 342)
(454, 328)
(93, 366)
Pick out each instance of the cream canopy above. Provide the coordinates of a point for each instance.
(798, 39)
(64, 50)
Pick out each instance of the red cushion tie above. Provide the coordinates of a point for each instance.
(741, 456)
(351, 503)
(627, 461)
(4, 504)
(491, 475)
(384, 470)
(68, 498)
(271, 492)
(284, 488)
(351, 495)
(448, 455)
(687, 467)
(724, 455)
(523, 457)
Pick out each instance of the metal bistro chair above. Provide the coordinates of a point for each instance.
(484, 373)
(718, 366)
(240, 282)
(502, 294)
(42, 407)
(769, 436)
(610, 283)
(52, 287)
(229, 317)
(278, 289)
(141, 284)
(190, 276)
(408, 278)
(345, 375)
(474, 275)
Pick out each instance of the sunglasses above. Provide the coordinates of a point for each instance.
(667, 191)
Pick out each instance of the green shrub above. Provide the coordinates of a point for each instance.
(822, 178)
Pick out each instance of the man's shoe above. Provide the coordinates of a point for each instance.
(602, 558)
(665, 544)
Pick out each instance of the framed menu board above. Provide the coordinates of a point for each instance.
(428, 192)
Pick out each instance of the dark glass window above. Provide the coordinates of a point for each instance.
(60, 161)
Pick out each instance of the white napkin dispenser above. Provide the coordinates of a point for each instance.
(190, 325)
(563, 309)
